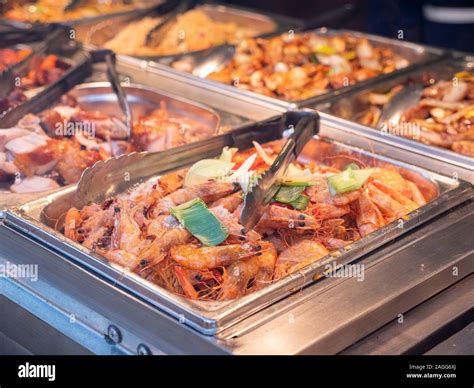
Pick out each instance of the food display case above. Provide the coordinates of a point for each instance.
(82, 303)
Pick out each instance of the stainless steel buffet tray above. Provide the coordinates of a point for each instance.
(96, 35)
(352, 104)
(37, 221)
(99, 96)
(416, 54)
(77, 65)
(141, 6)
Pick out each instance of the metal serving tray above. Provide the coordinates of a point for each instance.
(417, 55)
(79, 66)
(96, 35)
(350, 104)
(37, 221)
(143, 99)
(143, 6)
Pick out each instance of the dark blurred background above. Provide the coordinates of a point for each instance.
(444, 23)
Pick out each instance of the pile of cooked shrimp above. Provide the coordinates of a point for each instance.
(139, 229)
(305, 65)
(46, 151)
(444, 116)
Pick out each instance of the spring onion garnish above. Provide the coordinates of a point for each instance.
(300, 203)
(292, 195)
(288, 194)
(348, 180)
(200, 222)
(207, 169)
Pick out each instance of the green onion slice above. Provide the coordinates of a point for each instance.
(348, 180)
(200, 222)
(300, 203)
(293, 195)
(288, 194)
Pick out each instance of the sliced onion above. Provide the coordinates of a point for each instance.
(295, 174)
(227, 154)
(207, 169)
(261, 152)
(243, 176)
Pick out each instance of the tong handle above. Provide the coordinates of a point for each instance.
(114, 80)
(304, 125)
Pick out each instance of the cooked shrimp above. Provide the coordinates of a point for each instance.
(239, 275)
(281, 217)
(126, 234)
(298, 256)
(123, 258)
(395, 194)
(185, 283)
(163, 233)
(369, 217)
(208, 192)
(71, 223)
(388, 205)
(319, 193)
(196, 257)
(231, 222)
(231, 202)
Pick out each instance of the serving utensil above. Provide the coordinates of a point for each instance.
(400, 102)
(114, 80)
(71, 5)
(156, 34)
(115, 175)
(257, 200)
(211, 60)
